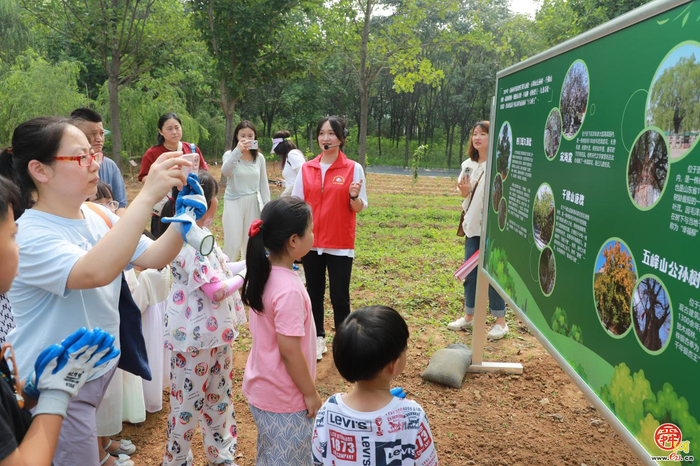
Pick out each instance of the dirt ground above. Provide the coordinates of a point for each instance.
(538, 418)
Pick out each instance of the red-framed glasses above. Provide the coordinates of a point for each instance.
(84, 160)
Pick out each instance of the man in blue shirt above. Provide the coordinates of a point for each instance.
(90, 122)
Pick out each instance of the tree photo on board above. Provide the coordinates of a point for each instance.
(574, 98)
(648, 168)
(552, 134)
(547, 270)
(652, 314)
(504, 148)
(674, 100)
(543, 216)
(614, 281)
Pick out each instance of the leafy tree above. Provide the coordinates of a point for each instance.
(669, 407)
(543, 214)
(140, 107)
(675, 101)
(591, 13)
(503, 148)
(626, 394)
(552, 134)
(15, 35)
(497, 265)
(652, 314)
(574, 98)
(127, 37)
(560, 322)
(497, 193)
(34, 87)
(612, 288)
(576, 333)
(502, 214)
(547, 270)
(375, 36)
(253, 43)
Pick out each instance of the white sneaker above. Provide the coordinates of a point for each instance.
(497, 332)
(460, 324)
(321, 347)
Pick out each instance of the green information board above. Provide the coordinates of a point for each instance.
(593, 223)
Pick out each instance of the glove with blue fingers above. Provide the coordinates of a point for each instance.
(190, 206)
(60, 371)
(398, 392)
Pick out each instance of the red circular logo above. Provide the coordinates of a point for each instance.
(667, 436)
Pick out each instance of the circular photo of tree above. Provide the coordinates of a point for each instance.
(504, 150)
(674, 98)
(497, 192)
(613, 281)
(647, 169)
(552, 134)
(574, 99)
(543, 213)
(652, 314)
(502, 214)
(547, 270)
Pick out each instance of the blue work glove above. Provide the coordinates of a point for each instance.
(190, 206)
(398, 392)
(191, 198)
(60, 371)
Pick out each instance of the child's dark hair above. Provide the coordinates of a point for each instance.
(338, 126)
(9, 197)
(161, 121)
(283, 148)
(36, 139)
(240, 126)
(368, 340)
(281, 218)
(104, 191)
(210, 188)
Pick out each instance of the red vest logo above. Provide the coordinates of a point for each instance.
(338, 179)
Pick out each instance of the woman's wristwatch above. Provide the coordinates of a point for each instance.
(354, 198)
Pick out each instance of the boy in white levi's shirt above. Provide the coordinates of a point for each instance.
(369, 425)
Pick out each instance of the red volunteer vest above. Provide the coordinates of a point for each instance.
(334, 220)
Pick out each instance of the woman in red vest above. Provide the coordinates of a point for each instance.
(333, 186)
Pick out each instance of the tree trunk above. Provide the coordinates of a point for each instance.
(310, 136)
(364, 88)
(116, 135)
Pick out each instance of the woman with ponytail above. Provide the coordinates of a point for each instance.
(70, 261)
(291, 159)
(281, 369)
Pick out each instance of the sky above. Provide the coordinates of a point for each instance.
(527, 7)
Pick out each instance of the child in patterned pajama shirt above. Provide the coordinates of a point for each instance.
(203, 313)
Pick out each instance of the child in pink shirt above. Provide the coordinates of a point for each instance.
(281, 368)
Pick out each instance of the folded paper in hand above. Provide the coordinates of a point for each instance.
(469, 265)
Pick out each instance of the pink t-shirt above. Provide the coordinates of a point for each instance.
(266, 383)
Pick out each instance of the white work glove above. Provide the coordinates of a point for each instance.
(60, 371)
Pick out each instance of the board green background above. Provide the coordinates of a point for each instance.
(621, 67)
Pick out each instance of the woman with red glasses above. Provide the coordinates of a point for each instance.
(70, 261)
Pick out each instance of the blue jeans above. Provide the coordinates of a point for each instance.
(496, 303)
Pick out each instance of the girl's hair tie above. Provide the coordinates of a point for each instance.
(255, 228)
